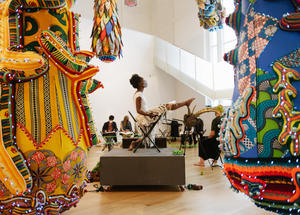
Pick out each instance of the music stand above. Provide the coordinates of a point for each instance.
(108, 137)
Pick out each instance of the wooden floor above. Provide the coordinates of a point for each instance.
(216, 198)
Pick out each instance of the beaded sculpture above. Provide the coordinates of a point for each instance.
(291, 21)
(211, 14)
(260, 133)
(46, 123)
(106, 34)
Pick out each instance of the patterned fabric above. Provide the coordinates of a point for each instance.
(46, 123)
(46, 170)
(233, 132)
(262, 149)
(292, 59)
(268, 128)
(291, 22)
(234, 19)
(255, 35)
(106, 34)
(146, 121)
(15, 174)
(284, 108)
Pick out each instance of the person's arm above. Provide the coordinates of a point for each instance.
(121, 127)
(104, 129)
(130, 127)
(213, 129)
(212, 134)
(139, 110)
(115, 126)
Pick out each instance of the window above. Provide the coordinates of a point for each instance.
(214, 103)
(221, 42)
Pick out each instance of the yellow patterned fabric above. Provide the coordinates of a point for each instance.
(46, 124)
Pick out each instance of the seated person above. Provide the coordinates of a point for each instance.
(198, 130)
(110, 128)
(147, 116)
(125, 127)
(209, 148)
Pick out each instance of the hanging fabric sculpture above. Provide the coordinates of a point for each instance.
(106, 34)
(46, 124)
(211, 14)
(131, 3)
(260, 134)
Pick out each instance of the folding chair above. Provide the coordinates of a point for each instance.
(216, 165)
(146, 134)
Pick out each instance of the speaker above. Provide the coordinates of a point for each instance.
(127, 141)
(161, 142)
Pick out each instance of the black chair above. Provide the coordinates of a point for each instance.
(146, 133)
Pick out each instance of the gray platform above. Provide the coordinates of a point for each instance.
(145, 167)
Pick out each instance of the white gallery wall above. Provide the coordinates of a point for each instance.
(182, 91)
(175, 21)
(117, 96)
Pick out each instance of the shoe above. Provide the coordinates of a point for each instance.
(194, 187)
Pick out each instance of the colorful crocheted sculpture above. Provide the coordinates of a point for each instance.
(106, 34)
(260, 134)
(291, 22)
(46, 124)
(211, 14)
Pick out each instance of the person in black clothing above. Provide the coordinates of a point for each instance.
(110, 128)
(198, 131)
(175, 130)
(188, 133)
(209, 148)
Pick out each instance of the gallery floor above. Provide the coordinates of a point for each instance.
(215, 198)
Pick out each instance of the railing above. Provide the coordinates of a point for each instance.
(214, 80)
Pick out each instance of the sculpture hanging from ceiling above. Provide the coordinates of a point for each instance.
(211, 14)
(260, 134)
(106, 34)
(130, 3)
(46, 123)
